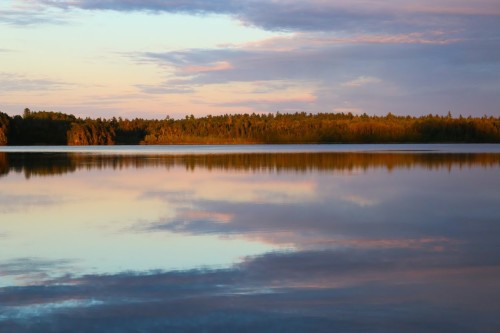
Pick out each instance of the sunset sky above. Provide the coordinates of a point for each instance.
(152, 58)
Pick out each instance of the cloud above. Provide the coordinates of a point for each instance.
(409, 63)
(434, 37)
(309, 41)
(305, 15)
(419, 77)
(30, 15)
(162, 89)
(314, 58)
(297, 103)
(361, 81)
(11, 82)
(189, 6)
(420, 52)
(214, 67)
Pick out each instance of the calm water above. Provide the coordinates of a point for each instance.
(327, 238)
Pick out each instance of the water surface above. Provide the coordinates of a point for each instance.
(350, 238)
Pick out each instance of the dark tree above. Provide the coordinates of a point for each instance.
(4, 128)
(56, 128)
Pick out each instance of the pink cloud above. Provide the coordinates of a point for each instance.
(311, 41)
(456, 7)
(434, 38)
(214, 67)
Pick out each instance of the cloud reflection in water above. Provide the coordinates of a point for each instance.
(362, 243)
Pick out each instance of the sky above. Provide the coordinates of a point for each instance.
(154, 58)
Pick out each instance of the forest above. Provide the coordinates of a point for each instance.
(56, 128)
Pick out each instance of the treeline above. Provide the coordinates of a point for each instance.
(55, 128)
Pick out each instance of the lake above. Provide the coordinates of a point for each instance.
(257, 238)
